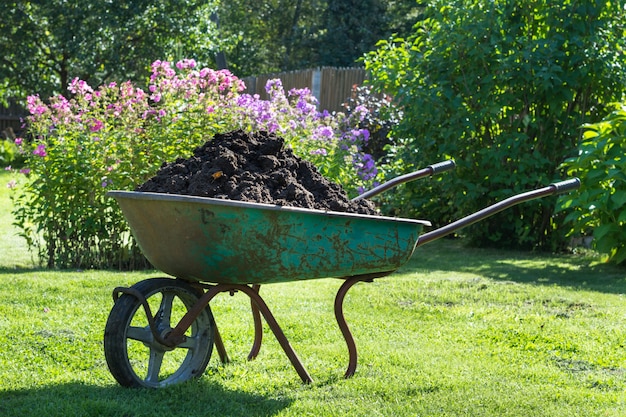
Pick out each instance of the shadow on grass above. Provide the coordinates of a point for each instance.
(195, 398)
(570, 271)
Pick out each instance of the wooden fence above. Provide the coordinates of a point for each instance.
(331, 86)
(11, 121)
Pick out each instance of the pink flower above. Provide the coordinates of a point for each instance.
(11, 184)
(79, 86)
(186, 63)
(95, 125)
(36, 106)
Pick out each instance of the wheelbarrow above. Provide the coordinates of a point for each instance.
(161, 331)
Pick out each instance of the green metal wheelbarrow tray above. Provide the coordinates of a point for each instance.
(161, 331)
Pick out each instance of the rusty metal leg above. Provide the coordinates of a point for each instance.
(219, 345)
(278, 333)
(258, 326)
(343, 326)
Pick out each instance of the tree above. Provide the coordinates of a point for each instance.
(350, 29)
(46, 43)
(270, 36)
(502, 86)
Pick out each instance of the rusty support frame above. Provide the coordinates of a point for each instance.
(343, 325)
(258, 327)
(259, 308)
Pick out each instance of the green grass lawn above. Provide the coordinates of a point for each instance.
(455, 332)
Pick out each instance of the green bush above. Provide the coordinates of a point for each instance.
(599, 209)
(117, 136)
(9, 154)
(502, 87)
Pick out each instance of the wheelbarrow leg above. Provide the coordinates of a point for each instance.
(278, 333)
(219, 345)
(343, 325)
(258, 326)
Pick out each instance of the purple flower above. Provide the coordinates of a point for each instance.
(40, 150)
(324, 114)
(366, 167)
(360, 111)
(273, 85)
(320, 151)
(323, 132)
(18, 141)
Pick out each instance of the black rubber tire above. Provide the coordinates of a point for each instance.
(134, 358)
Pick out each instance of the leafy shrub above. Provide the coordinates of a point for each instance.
(9, 154)
(116, 137)
(599, 209)
(503, 88)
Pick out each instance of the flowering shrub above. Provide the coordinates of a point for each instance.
(116, 137)
(378, 114)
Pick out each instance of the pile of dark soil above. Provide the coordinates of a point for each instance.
(254, 167)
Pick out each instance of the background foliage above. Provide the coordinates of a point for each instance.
(282, 35)
(46, 43)
(599, 209)
(503, 87)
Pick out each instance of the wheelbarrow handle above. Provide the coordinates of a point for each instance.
(433, 169)
(552, 189)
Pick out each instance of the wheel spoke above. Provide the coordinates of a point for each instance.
(142, 334)
(165, 309)
(154, 365)
(190, 343)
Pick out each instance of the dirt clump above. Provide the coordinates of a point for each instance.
(254, 167)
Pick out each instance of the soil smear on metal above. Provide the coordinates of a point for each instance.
(254, 167)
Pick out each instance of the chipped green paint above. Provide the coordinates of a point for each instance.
(224, 241)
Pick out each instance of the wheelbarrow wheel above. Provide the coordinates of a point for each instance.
(135, 358)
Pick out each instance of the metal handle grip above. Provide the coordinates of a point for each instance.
(442, 166)
(566, 186)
